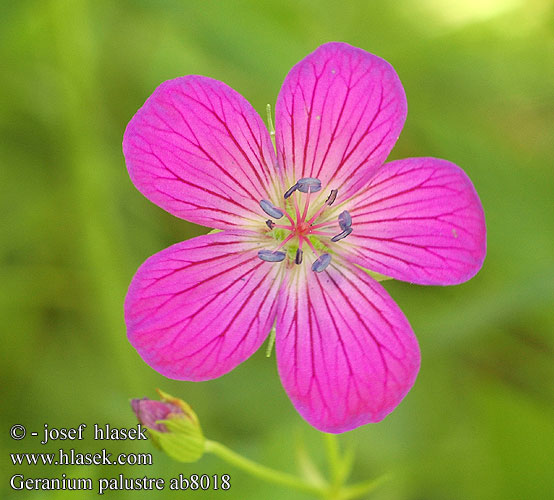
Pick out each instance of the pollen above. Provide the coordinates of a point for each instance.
(270, 256)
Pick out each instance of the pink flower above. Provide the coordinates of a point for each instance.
(298, 227)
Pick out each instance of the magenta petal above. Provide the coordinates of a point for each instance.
(338, 115)
(199, 150)
(199, 308)
(346, 353)
(420, 220)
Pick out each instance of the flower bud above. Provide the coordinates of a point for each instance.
(172, 425)
(149, 412)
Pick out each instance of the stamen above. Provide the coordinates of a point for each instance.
(301, 227)
(270, 256)
(271, 209)
(332, 197)
(345, 220)
(290, 191)
(342, 235)
(307, 184)
(296, 209)
(317, 214)
(291, 220)
(321, 263)
(319, 233)
(323, 224)
(309, 243)
(307, 204)
(285, 241)
(281, 226)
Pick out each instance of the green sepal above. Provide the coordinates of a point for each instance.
(183, 440)
(187, 409)
(270, 342)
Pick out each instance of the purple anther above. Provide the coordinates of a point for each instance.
(345, 220)
(271, 209)
(342, 235)
(269, 223)
(321, 263)
(270, 256)
(332, 197)
(310, 184)
(298, 258)
(291, 190)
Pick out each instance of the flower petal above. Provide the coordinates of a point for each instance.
(346, 353)
(199, 308)
(199, 150)
(338, 115)
(421, 221)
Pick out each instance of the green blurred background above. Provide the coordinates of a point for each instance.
(479, 77)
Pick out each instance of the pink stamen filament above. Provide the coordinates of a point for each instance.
(306, 205)
(325, 224)
(291, 220)
(318, 213)
(310, 245)
(321, 233)
(285, 241)
(301, 228)
(296, 208)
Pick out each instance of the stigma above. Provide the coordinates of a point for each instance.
(306, 226)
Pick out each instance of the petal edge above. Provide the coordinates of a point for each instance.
(347, 358)
(198, 149)
(338, 115)
(197, 309)
(420, 220)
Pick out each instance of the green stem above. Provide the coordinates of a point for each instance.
(333, 459)
(363, 488)
(262, 471)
